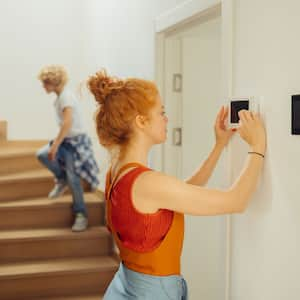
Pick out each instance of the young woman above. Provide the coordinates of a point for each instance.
(69, 156)
(145, 208)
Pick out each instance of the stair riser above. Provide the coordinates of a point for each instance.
(74, 283)
(47, 217)
(48, 249)
(23, 189)
(11, 165)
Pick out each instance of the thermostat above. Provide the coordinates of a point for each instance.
(237, 104)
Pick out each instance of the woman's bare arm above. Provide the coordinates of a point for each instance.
(223, 134)
(153, 190)
(202, 175)
(160, 191)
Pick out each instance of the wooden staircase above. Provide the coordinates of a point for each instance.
(40, 257)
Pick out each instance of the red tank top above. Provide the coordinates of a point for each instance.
(137, 231)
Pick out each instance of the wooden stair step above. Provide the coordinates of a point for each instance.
(22, 185)
(18, 159)
(32, 175)
(26, 245)
(49, 278)
(55, 266)
(29, 184)
(23, 143)
(82, 297)
(8, 150)
(48, 213)
(45, 201)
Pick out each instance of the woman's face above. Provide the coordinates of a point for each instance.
(157, 129)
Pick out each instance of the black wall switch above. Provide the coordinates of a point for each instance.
(296, 114)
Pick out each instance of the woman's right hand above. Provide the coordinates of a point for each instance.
(252, 131)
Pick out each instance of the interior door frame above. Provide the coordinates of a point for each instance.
(182, 16)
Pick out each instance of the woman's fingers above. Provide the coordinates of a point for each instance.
(243, 117)
(220, 118)
(225, 114)
(257, 117)
(223, 117)
(219, 115)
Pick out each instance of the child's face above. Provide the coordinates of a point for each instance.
(49, 88)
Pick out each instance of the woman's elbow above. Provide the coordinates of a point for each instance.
(239, 210)
(237, 206)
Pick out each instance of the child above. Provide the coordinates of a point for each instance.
(69, 156)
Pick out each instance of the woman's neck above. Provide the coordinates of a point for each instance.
(137, 152)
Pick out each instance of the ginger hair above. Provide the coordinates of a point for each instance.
(120, 101)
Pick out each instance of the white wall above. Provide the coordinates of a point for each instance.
(34, 33)
(121, 38)
(83, 36)
(266, 240)
(121, 35)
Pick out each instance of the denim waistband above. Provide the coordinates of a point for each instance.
(128, 284)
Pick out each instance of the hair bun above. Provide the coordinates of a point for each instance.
(102, 86)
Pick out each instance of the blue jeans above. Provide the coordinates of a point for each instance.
(131, 285)
(66, 175)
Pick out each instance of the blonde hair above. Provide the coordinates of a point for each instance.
(53, 74)
(119, 100)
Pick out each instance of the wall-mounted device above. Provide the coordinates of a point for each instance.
(240, 103)
(296, 114)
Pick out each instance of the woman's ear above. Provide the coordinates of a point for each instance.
(140, 121)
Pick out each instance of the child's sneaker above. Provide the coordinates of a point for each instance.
(81, 223)
(58, 190)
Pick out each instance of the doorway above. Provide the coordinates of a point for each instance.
(191, 80)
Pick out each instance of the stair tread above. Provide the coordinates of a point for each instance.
(10, 151)
(23, 144)
(51, 233)
(82, 297)
(45, 202)
(32, 174)
(57, 266)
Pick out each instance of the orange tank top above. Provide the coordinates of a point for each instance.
(142, 232)
(162, 260)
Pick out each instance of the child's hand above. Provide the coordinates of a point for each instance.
(52, 152)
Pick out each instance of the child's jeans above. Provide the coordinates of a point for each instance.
(66, 175)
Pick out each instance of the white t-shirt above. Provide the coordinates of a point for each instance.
(68, 99)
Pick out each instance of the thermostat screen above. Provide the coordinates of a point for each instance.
(235, 107)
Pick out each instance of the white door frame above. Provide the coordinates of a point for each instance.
(176, 19)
